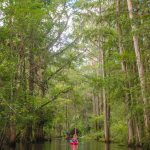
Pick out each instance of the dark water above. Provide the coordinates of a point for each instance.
(63, 145)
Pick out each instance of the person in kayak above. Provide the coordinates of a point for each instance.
(75, 138)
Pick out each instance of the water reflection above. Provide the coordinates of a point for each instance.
(63, 145)
(74, 147)
(107, 146)
(38, 147)
(12, 148)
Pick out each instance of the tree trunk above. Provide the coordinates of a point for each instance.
(12, 123)
(27, 137)
(105, 105)
(28, 131)
(130, 133)
(138, 135)
(39, 133)
(106, 108)
(100, 106)
(31, 73)
(139, 66)
(97, 111)
(124, 69)
(100, 103)
(94, 108)
(12, 137)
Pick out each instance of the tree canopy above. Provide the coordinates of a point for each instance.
(75, 64)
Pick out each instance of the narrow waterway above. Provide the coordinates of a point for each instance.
(63, 145)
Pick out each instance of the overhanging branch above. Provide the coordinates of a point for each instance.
(55, 97)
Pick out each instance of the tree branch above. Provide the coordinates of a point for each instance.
(55, 97)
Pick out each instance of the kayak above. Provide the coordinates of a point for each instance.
(74, 143)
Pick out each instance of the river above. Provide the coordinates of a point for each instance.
(63, 145)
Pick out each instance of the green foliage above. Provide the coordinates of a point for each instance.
(57, 58)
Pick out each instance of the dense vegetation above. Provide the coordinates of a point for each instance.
(75, 64)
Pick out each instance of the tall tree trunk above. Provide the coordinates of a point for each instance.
(130, 133)
(106, 108)
(28, 130)
(105, 103)
(12, 123)
(100, 106)
(94, 108)
(39, 126)
(100, 103)
(31, 73)
(138, 135)
(97, 110)
(140, 66)
(124, 69)
(39, 133)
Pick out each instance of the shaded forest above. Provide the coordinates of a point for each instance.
(68, 64)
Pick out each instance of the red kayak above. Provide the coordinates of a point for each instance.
(74, 143)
